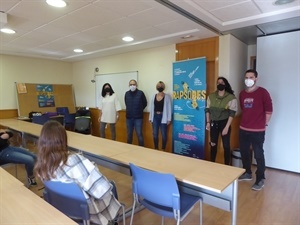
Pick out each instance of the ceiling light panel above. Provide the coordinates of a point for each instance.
(56, 3)
(269, 6)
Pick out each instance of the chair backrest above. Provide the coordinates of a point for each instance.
(59, 119)
(83, 113)
(40, 119)
(62, 110)
(68, 198)
(83, 125)
(158, 188)
(70, 118)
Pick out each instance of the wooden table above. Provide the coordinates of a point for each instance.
(19, 205)
(217, 184)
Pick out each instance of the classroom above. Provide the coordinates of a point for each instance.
(226, 55)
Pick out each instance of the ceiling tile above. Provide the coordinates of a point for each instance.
(237, 11)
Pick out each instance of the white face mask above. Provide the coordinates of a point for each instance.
(249, 83)
(132, 87)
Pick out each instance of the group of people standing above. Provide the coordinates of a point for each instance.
(222, 105)
(257, 108)
(135, 100)
(55, 162)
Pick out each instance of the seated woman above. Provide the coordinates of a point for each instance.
(55, 162)
(11, 154)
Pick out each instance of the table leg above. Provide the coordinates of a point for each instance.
(234, 202)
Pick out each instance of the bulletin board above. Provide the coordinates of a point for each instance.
(28, 98)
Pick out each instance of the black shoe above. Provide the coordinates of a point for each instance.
(31, 181)
(245, 176)
(258, 185)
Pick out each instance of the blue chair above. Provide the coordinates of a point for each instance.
(69, 199)
(62, 110)
(40, 119)
(159, 193)
(70, 121)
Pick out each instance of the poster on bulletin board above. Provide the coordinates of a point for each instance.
(189, 99)
(45, 95)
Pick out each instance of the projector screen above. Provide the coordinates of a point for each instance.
(278, 66)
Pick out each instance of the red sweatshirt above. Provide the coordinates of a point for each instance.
(255, 105)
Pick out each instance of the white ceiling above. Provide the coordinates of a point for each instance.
(97, 26)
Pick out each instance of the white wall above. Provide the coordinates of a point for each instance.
(152, 65)
(29, 70)
(251, 52)
(233, 61)
(278, 65)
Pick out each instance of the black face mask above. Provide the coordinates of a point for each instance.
(160, 89)
(221, 87)
(107, 89)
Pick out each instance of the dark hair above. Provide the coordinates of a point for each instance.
(252, 71)
(52, 150)
(227, 85)
(104, 92)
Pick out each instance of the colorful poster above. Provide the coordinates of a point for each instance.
(45, 95)
(189, 98)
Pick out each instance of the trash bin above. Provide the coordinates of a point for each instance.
(236, 158)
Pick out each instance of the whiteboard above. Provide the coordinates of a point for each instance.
(119, 83)
(278, 66)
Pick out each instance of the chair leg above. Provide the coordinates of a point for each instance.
(162, 220)
(200, 211)
(16, 170)
(132, 212)
(123, 209)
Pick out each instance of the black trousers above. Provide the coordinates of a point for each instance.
(216, 128)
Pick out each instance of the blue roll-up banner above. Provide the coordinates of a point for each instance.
(189, 99)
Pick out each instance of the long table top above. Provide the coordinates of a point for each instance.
(19, 205)
(208, 175)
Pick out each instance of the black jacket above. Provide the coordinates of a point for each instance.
(135, 102)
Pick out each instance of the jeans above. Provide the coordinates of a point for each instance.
(112, 130)
(136, 124)
(18, 155)
(156, 125)
(257, 140)
(216, 128)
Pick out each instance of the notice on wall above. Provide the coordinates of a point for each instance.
(45, 95)
(21, 87)
(189, 99)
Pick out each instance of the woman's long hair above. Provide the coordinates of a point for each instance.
(103, 93)
(52, 150)
(227, 85)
